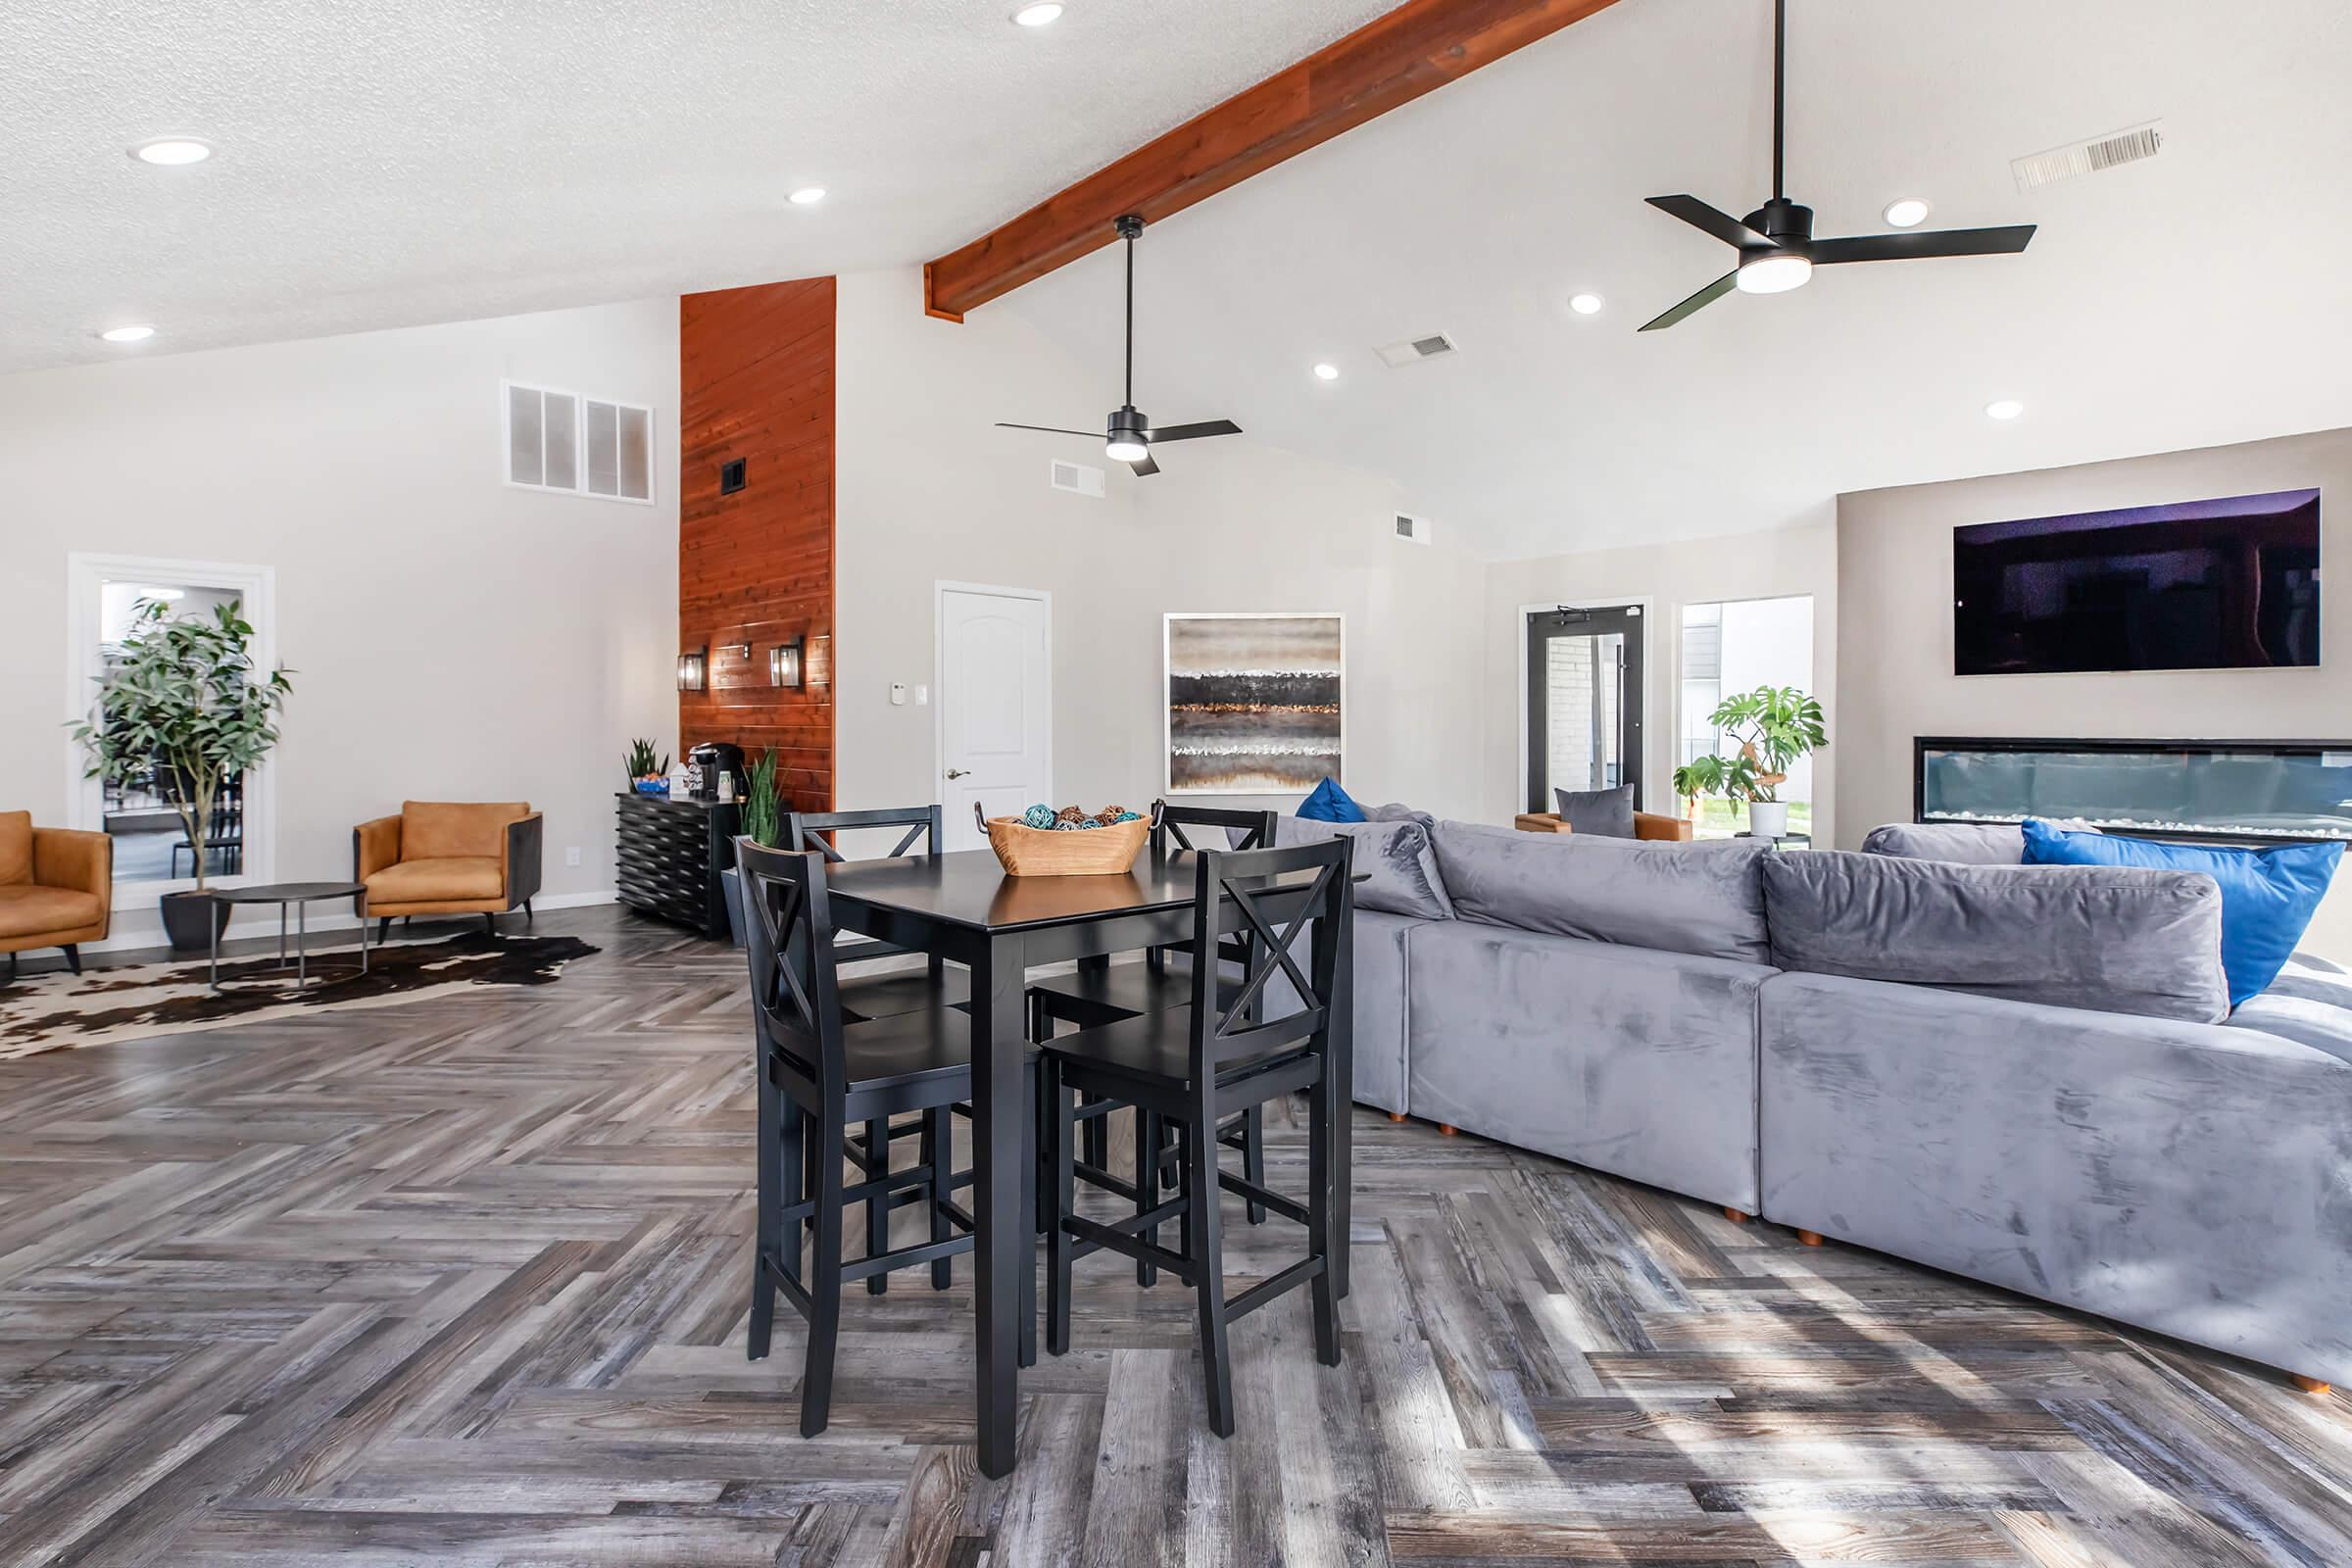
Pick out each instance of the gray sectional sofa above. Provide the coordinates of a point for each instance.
(2026, 1075)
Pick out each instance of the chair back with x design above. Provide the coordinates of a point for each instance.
(809, 830)
(1266, 898)
(796, 1002)
(1169, 824)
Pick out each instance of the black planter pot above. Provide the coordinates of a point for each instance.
(193, 920)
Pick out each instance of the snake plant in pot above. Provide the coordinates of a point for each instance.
(1774, 726)
(184, 711)
(762, 823)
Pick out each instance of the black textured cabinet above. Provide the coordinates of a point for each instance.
(667, 856)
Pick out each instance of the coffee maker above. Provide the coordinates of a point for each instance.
(709, 759)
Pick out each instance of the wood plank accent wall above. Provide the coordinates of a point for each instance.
(757, 566)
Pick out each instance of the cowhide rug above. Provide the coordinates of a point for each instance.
(60, 1011)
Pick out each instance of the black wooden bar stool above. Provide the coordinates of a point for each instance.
(1102, 994)
(1193, 1067)
(818, 1076)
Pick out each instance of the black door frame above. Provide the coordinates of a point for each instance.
(1571, 620)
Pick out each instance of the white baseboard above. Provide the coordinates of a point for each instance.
(134, 930)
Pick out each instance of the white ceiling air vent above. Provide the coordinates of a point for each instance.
(2086, 157)
(1413, 350)
(1075, 477)
(1412, 529)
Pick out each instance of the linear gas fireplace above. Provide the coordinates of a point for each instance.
(2227, 791)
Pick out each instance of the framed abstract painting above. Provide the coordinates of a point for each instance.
(1255, 702)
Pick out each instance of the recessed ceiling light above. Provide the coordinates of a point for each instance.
(1039, 15)
(1585, 304)
(128, 334)
(1906, 212)
(808, 196)
(172, 151)
(2003, 409)
(1327, 373)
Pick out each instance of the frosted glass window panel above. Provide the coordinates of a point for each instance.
(636, 454)
(603, 449)
(562, 423)
(525, 437)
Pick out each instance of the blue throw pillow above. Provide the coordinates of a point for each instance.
(2268, 896)
(1330, 803)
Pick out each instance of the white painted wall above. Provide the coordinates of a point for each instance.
(454, 637)
(1665, 577)
(927, 490)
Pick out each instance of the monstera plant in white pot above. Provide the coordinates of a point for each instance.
(184, 710)
(1774, 726)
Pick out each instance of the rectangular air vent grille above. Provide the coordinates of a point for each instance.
(1412, 529)
(1075, 477)
(581, 446)
(1413, 350)
(2086, 157)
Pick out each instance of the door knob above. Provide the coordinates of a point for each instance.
(958, 772)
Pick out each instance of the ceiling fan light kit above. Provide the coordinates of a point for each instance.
(1777, 248)
(1128, 436)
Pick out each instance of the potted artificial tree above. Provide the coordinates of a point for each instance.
(1774, 726)
(184, 705)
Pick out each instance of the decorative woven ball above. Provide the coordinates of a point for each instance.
(1092, 821)
(1128, 817)
(1112, 814)
(1065, 827)
(1040, 817)
(1069, 813)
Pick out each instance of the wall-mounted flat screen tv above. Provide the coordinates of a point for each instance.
(2224, 584)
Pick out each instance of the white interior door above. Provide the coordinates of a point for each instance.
(996, 703)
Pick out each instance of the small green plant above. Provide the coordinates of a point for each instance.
(1774, 726)
(185, 708)
(640, 762)
(762, 809)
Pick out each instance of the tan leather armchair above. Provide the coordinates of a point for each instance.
(1647, 825)
(448, 858)
(56, 888)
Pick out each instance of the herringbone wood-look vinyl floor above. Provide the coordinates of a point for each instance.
(463, 1282)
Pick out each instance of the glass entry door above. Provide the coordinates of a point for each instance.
(1583, 701)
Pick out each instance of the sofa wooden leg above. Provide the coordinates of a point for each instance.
(1395, 1115)
(1449, 1130)
(1738, 1216)
(73, 957)
(1809, 1238)
(2307, 1385)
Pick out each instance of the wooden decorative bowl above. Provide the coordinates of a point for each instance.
(1025, 851)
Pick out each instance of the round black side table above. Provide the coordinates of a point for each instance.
(298, 897)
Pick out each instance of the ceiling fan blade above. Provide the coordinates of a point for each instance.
(1697, 302)
(1144, 466)
(1699, 215)
(1917, 247)
(1192, 432)
(1050, 429)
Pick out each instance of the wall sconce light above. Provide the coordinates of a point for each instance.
(784, 664)
(694, 670)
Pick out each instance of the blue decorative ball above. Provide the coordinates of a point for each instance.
(1065, 827)
(1128, 817)
(1040, 817)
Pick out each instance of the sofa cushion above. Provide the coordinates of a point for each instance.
(1398, 811)
(1401, 873)
(463, 876)
(1597, 814)
(1700, 897)
(2104, 938)
(2268, 896)
(433, 830)
(16, 847)
(1960, 843)
(2310, 1003)
(26, 911)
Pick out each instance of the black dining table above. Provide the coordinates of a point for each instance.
(964, 908)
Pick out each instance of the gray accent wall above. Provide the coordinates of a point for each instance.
(1894, 643)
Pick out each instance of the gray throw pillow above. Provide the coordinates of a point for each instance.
(1960, 843)
(1605, 814)
(1399, 868)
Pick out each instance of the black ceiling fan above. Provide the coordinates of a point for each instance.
(1129, 437)
(1777, 248)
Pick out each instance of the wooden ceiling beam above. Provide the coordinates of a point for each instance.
(1420, 46)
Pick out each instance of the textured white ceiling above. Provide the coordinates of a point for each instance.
(2198, 298)
(385, 162)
